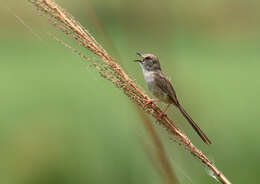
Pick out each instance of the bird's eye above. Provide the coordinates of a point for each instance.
(148, 57)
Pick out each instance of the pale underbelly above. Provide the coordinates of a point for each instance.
(158, 93)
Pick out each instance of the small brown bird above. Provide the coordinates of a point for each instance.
(162, 89)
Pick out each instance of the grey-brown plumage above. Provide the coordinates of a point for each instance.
(161, 88)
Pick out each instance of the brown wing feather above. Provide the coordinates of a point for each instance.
(166, 86)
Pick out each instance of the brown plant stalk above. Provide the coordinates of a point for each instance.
(114, 73)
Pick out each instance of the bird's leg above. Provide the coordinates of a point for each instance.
(163, 112)
(148, 102)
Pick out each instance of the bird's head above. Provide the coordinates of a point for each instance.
(149, 62)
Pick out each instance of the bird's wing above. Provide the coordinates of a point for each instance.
(165, 85)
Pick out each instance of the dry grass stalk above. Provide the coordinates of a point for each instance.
(113, 72)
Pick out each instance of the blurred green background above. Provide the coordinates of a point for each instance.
(60, 122)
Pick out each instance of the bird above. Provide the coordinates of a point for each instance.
(161, 88)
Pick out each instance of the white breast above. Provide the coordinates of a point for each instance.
(148, 76)
(155, 89)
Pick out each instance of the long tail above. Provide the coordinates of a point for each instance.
(194, 125)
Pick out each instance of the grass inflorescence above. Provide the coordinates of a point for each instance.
(111, 70)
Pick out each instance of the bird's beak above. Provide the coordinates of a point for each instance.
(138, 60)
(139, 54)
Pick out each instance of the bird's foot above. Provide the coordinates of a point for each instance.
(148, 102)
(160, 116)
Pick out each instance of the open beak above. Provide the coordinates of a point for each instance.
(139, 54)
(138, 60)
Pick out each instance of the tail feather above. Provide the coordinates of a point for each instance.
(194, 125)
